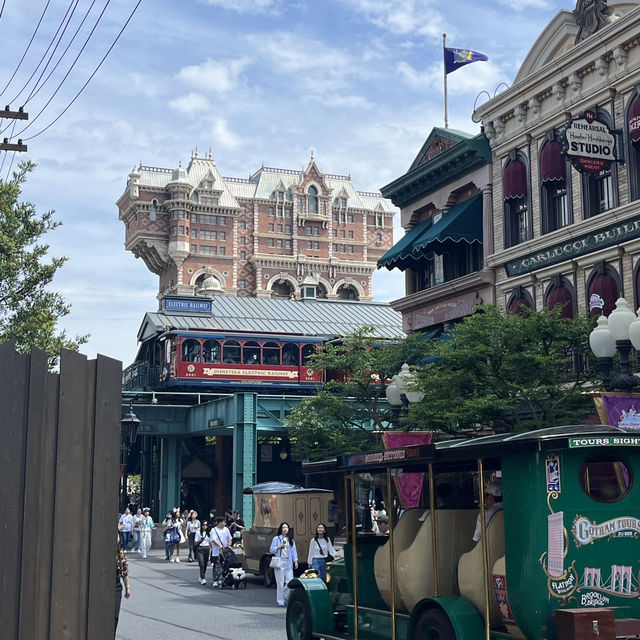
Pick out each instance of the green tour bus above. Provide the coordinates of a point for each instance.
(533, 535)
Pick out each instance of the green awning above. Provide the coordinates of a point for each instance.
(402, 249)
(463, 223)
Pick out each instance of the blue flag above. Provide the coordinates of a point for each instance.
(456, 58)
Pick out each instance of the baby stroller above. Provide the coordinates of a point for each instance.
(233, 575)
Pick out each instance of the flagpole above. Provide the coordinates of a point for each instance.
(444, 68)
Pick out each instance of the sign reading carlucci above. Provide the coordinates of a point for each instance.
(589, 143)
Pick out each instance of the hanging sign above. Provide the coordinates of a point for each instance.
(589, 143)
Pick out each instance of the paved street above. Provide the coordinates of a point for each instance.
(168, 602)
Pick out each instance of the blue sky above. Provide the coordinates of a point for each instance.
(359, 82)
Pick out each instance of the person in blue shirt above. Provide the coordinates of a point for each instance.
(283, 546)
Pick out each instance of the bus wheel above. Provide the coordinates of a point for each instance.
(433, 624)
(298, 616)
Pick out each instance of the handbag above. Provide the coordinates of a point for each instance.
(174, 536)
(275, 562)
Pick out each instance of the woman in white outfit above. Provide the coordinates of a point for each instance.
(145, 532)
(284, 547)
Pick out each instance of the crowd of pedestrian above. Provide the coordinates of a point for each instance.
(205, 543)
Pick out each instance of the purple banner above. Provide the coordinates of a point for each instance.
(409, 484)
(622, 410)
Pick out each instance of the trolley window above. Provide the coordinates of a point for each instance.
(191, 350)
(251, 353)
(307, 351)
(290, 355)
(271, 353)
(231, 352)
(211, 351)
(606, 479)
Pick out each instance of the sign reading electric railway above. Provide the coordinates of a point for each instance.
(589, 143)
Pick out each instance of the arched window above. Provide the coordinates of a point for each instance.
(603, 289)
(520, 301)
(231, 352)
(554, 199)
(290, 354)
(561, 293)
(153, 210)
(517, 218)
(307, 351)
(347, 292)
(211, 351)
(312, 200)
(600, 189)
(191, 350)
(282, 289)
(251, 353)
(633, 144)
(271, 353)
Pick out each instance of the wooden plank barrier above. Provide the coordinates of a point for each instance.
(58, 495)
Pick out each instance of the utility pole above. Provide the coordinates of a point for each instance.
(5, 145)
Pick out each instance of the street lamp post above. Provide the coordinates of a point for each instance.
(399, 395)
(620, 331)
(129, 426)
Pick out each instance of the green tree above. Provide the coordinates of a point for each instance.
(350, 411)
(29, 310)
(507, 371)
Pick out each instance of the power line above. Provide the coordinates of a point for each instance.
(73, 64)
(87, 82)
(44, 55)
(39, 86)
(1, 10)
(27, 49)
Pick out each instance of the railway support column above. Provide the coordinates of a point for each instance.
(245, 453)
(170, 476)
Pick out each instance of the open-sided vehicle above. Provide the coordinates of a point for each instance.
(276, 502)
(566, 540)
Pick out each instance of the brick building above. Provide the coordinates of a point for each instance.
(278, 233)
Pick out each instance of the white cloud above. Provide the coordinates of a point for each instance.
(350, 102)
(219, 76)
(519, 5)
(402, 17)
(223, 136)
(245, 6)
(190, 104)
(480, 76)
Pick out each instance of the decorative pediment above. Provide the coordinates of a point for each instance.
(438, 141)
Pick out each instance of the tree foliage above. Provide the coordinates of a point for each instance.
(29, 310)
(350, 411)
(505, 371)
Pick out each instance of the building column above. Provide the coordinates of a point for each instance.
(244, 454)
(487, 222)
(170, 476)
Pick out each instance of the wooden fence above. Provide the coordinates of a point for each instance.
(58, 495)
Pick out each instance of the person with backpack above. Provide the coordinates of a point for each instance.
(171, 531)
(202, 547)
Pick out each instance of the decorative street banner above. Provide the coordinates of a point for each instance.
(409, 484)
(620, 410)
(589, 143)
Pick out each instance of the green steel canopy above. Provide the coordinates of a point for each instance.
(463, 223)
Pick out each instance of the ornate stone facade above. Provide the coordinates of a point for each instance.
(264, 236)
(563, 235)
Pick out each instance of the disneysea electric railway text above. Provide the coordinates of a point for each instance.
(183, 360)
(534, 535)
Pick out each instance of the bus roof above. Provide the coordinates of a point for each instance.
(459, 452)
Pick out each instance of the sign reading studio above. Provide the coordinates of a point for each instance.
(589, 143)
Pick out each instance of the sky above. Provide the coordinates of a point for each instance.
(358, 82)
